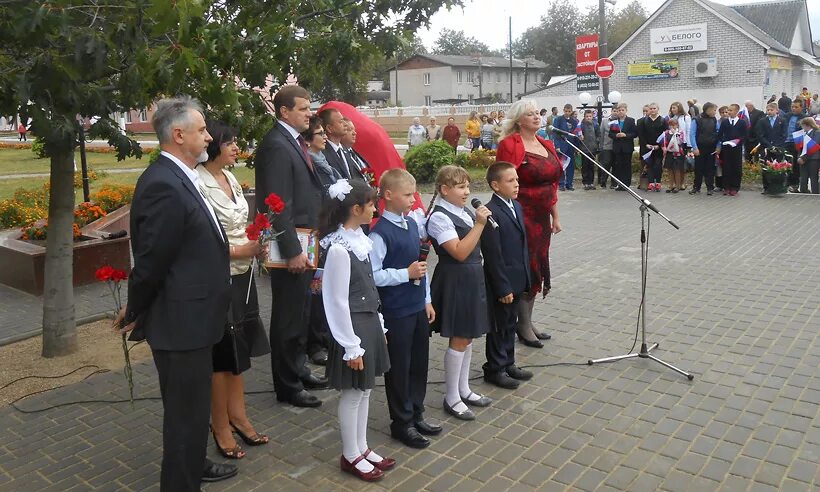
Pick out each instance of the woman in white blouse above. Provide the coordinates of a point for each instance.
(232, 354)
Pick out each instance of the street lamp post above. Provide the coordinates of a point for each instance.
(613, 97)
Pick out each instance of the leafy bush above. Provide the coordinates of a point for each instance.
(24, 207)
(39, 148)
(480, 159)
(462, 160)
(111, 197)
(423, 161)
(38, 230)
(92, 176)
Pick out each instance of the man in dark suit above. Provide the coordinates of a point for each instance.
(337, 157)
(755, 115)
(179, 290)
(623, 133)
(771, 133)
(284, 167)
(732, 132)
(506, 269)
(348, 141)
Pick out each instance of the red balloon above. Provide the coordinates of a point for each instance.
(372, 142)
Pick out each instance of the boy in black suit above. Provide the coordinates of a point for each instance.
(506, 268)
(623, 132)
(731, 134)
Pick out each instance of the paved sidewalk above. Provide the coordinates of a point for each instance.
(732, 297)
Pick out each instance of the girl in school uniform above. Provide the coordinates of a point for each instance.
(673, 145)
(457, 289)
(358, 352)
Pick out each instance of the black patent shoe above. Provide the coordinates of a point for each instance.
(531, 343)
(465, 415)
(427, 428)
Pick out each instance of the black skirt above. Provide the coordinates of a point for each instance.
(459, 297)
(251, 340)
(376, 358)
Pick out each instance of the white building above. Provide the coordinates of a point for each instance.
(700, 49)
(424, 79)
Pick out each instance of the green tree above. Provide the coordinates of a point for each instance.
(620, 24)
(452, 42)
(65, 59)
(553, 40)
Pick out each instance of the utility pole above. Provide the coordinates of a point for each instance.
(480, 78)
(511, 66)
(526, 67)
(603, 52)
(396, 102)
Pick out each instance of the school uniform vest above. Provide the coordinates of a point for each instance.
(402, 245)
(363, 297)
(706, 133)
(462, 229)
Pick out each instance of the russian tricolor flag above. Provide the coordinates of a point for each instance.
(810, 147)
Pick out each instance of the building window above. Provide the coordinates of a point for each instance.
(470, 98)
(458, 76)
(428, 100)
(470, 76)
(498, 76)
(143, 115)
(128, 117)
(509, 97)
(458, 96)
(518, 77)
(427, 78)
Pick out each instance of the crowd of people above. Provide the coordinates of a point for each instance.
(368, 309)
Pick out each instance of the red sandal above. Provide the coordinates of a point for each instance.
(371, 476)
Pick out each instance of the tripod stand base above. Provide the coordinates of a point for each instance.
(643, 354)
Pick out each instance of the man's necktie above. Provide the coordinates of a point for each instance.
(304, 146)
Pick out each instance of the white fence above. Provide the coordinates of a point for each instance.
(440, 110)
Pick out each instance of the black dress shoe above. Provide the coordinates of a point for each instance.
(542, 335)
(427, 428)
(501, 380)
(315, 382)
(532, 343)
(411, 437)
(516, 372)
(319, 358)
(215, 472)
(302, 399)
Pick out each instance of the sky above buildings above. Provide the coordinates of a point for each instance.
(487, 20)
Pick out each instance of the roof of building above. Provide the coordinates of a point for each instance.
(486, 61)
(777, 19)
(747, 26)
(378, 95)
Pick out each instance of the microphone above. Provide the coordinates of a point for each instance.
(490, 220)
(562, 132)
(424, 250)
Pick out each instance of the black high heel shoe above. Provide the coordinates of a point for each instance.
(542, 335)
(235, 453)
(531, 343)
(255, 440)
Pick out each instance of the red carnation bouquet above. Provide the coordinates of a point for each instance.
(113, 277)
(369, 176)
(261, 229)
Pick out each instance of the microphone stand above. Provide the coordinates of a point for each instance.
(645, 351)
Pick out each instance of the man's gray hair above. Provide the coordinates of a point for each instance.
(171, 113)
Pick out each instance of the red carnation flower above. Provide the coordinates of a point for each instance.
(261, 221)
(252, 231)
(275, 203)
(105, 273)
(118, 275)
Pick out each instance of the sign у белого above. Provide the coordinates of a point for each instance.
(678, 39)
(587, 82)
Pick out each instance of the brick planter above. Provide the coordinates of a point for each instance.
(22, 263)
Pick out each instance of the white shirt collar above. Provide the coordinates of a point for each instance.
(507, 201)
(353, 240)
(394, 218)
(453, 209)
(290, 129)
(192, 175)
(334, 146)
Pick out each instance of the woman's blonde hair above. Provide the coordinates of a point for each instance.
(450, 176)
(516, 111)
(809, 121)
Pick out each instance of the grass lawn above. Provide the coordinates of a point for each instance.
(24, 161)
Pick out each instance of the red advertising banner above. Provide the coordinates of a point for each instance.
(586, 53)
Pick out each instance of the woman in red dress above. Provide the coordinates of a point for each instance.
(539, 170)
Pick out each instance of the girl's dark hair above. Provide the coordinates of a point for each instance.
(314, 123)
(335, 211)
(221, 133)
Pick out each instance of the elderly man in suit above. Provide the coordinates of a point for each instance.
(622, 132)
(284, 167)
(337, 156)
(179, 290)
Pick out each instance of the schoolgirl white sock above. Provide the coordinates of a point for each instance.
(453, 360)
(349, 404)
(464, 376)
(361, 429)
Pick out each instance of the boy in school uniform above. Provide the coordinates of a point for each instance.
(506, 269)
(402, 281)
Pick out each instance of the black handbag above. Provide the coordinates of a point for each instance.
(227, 348)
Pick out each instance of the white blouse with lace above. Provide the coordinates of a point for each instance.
(232, 215)
(336, 286)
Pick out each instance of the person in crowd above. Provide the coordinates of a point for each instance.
(284, 167)
(493, 117)
(336, 129)
(21, 132)
(357, 162)
(539, 172)
(497, 126)
(433, 130)
(784, 104)
(416, 134)
(623, 133)
(792, 125)
(487, 128)
(644, 113)
(553, 114)
(461, 313)
(754, 115)
(723, 115)
(605, 157)
(473, 131)
(694, 111)
(179, 290)
(677, 112)
(649, 129)
(814, 107)
(501, 115)
(232, 355)
(401, 277)
(451, 133)
(730, 137)
(316, 139)
(358, 352)
(703, 140)
(568, 124)
(771, 133)
(673, 148)
(591, 136)
(809, 163)
(545, 120)
(772, 99)
(805, 95)
(506, 271)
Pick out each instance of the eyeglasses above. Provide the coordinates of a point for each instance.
(322, 133)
